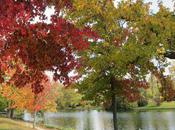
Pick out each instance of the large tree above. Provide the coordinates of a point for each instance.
(129, 39)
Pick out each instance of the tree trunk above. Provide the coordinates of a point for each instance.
(34, 120)
(114, 111)
(114, 106)
(10, 113)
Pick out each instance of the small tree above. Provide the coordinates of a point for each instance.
(68, 98)
(25, 99)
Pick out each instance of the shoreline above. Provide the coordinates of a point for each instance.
(22, 124)
(153, 108)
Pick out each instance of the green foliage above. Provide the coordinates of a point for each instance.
(153, 106)
(123, 104)
(152, 94)
(68, 98)
(155, 86)
(142, 102)
(3, 103)
(129, 38)
(157, 101)
(18, 114)
(121, 47)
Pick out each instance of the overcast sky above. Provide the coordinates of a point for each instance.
(168, 3)
(154, 7)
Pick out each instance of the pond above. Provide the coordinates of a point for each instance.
(101, 120)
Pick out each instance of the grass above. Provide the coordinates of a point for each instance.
(7, 124)
(163, 106)
(55, 128)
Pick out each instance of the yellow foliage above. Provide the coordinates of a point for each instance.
(25, 99)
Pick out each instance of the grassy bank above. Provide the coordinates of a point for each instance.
(7, 124)
(163, 106)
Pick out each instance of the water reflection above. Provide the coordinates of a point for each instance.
(94, 120)
(147, 120)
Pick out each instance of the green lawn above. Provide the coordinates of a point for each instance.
(7, 124)
(163, 106)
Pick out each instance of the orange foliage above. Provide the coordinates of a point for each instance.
(25, 99)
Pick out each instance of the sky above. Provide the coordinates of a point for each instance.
(154, 6)
(168, 3)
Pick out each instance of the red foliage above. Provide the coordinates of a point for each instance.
(131, 88)
(167, 86)
(40, 46)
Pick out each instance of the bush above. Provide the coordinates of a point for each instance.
(121, 103)
(3, 104)
(157, 101)
(18, 114)
(142, 102)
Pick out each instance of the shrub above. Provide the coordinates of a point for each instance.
(3, 104)
(142, 102)
(157, 101)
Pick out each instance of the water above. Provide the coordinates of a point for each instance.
(94, 120)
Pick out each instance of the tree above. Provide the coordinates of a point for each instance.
(154, 84)
(25, 99)
(39, 46)
(129, 38)
(29, 48)
(68, 97)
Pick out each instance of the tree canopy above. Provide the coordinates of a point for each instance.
(39, 46)
(130, 37)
